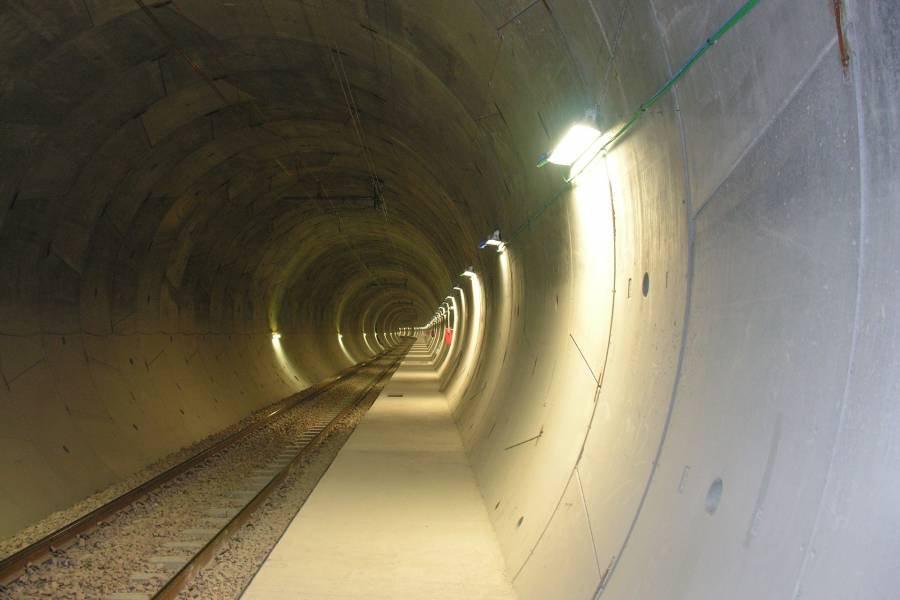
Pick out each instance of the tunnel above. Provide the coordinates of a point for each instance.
(674, 366)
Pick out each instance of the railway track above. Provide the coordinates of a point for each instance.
(180, 551)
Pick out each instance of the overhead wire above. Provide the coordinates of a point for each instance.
(353, 110)
(350, 102)
(356, 122)
(365, 266)
(359, 130)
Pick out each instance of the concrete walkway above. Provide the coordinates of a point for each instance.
(397, 516)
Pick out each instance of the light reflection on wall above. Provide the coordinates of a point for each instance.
(344, 349)
(284, 363)
(434, 345)
(453, 323)
(378, 342)
(471, 348)
(593, 257)
(489, 354)
(368, 345)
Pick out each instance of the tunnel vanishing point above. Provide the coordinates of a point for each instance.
(674, 365)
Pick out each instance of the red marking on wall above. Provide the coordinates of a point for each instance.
(448, 336)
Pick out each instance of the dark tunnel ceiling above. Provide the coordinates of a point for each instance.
(202, 172)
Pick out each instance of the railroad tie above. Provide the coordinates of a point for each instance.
(168, 561)
(266, 472)
(243, 494)
(200, 532)
(184, 545)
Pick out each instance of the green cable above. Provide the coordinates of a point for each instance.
(710, 41)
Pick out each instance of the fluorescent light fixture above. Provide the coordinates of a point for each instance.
(494, 241)
(456, 287)
(276, 335)
(577, 140)
(469, 272)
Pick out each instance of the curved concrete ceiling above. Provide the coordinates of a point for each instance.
(705, 307)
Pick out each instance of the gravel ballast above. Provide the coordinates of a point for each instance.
(234, 567)
(140, 547)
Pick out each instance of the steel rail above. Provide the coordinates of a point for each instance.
(183, 577)
(12, 567)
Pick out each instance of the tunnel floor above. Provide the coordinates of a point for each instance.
(397, 515)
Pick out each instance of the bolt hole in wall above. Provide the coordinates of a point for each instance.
(714, 496)
(520, 521)
(645, 284)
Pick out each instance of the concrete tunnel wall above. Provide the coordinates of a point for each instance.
(725, 430)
